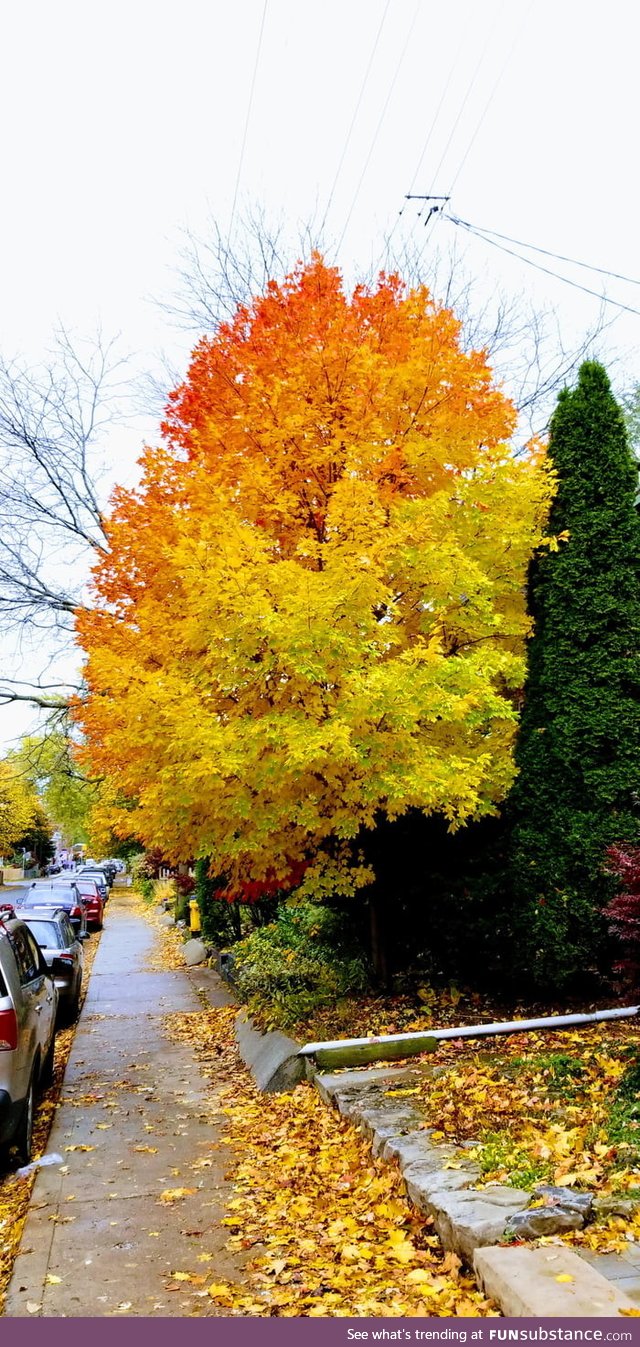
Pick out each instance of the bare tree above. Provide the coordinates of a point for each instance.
(52, 419)
(215, 274)
(51, 519)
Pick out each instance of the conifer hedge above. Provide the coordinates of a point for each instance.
(579, 744)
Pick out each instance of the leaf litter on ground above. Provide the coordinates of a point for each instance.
(326, 1228)
(15, 1190)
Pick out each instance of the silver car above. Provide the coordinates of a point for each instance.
(28, 1006)
(63, 953)
(99, 878)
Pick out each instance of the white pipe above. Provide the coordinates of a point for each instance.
(473, 1030)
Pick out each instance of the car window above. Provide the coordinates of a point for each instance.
(27, 955)
(49, 893)
(45, 932)
(67, 932)
(47, 903)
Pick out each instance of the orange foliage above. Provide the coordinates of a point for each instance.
(312, 608)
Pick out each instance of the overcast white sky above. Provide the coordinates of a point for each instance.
(123, 123)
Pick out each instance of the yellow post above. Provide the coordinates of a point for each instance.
(194, 916)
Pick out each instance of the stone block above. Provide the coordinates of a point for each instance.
(539, 1221)
(433, 1157)
(615, 1205)
(501, 1195)
(556, 1195)
(328, 1083)
(384, 1122)
(422, 1182)
(465, 1220)
(195, 952)
(351, 1103)
(408, 1149)
(524, 1283)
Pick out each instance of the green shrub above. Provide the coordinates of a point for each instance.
(302, 961)
(141, 880)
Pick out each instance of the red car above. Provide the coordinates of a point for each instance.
(91, 899)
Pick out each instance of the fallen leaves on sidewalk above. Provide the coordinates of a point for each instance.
(326, 1226)
(171, 1195)
(168, 955)
(15, 1192)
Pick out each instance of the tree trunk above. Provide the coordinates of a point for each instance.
(379, 941)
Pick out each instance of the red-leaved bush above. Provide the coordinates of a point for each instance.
(623, 911)
(185, 884)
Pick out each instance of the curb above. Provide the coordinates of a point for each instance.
(272, 1057)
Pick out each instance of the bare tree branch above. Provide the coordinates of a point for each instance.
(51, 521)
(523, 341)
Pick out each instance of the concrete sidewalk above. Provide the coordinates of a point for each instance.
(133, 1120)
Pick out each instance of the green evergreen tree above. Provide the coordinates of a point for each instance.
(579, 743)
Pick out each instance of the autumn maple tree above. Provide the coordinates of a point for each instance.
(19, 809)
(311, 610)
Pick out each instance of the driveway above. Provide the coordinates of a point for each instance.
(109, 1227)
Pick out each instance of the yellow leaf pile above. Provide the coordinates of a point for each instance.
(326, 1227)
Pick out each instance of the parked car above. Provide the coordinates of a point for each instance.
(28, 1006)
(63, 952)
(99, 877)
(48, 893)
(110, 871)
(92, 900)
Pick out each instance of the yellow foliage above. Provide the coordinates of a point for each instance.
(313, 607)
(18, 806)
(330, 1226)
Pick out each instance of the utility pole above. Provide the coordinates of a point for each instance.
(433, 210)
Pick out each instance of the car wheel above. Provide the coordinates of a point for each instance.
(23, 1137)
(72, 1010)
(46, 1075)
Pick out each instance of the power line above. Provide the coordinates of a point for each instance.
(427, 141)
(470, 89)
(436, 115)
(247, 118)
(380, 121)
(355, 114)
(465, 100)
(627, 308)
(498, 82)
(559, 257)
